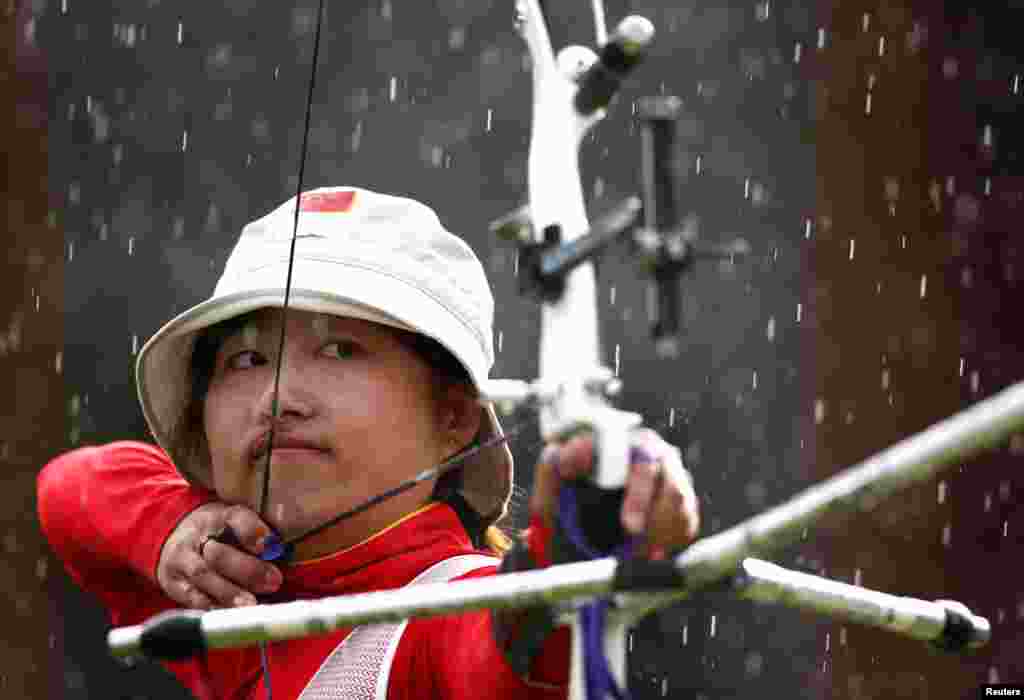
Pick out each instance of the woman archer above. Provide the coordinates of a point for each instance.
(384, 343)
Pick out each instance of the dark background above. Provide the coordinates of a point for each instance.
(883, 294)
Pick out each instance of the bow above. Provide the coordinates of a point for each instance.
(556, 242)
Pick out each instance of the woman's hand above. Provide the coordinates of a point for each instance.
(200, 572)
(659, 499)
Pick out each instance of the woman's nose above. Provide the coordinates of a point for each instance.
(288, 391)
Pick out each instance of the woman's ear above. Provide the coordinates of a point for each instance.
(459, 415)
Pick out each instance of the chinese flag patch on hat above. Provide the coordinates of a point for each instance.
(336, 202)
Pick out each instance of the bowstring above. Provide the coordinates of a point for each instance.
(265, 486)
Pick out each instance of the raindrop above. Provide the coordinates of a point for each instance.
(881, 46)
(842, 636)
(903, 242)
(950, 68)
(131, 245)
(746, 188)
(58, 363)
(630, 637)
(771, 329)
(950, 185)
(1006, 524)
(664, 687)
(819, 411)
(947, 534)
(988, 501)
(754, 664)
(942, 492)
(853, 246)
(759, 193)
(392, 88)
(490, 114)
(672, 417)
(763, 10)
(618, 348)
(858, 577)
(700, 160)
(181, 30)
(1016, 84)
(988, 186)
(993, 675)
(821, 37)
(807, 228)
(754, 387)
(986, 136)
(799, 311)
(865, 21)
(1004, 490)
(385, 9)
(714, 624)
(135, 344)
(611, 295)
(63, 7)
(797, 50)
(686, 632)
(867, 104)
(457, 38)
(828, 642)
(885, 378)
(501, 338)
(184, 140)
(924, 285)
(975, 381)
(357, 136)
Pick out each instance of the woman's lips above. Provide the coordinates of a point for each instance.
(292, 454)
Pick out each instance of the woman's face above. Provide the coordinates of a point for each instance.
(357, 414)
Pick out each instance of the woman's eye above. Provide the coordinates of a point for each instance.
(341, 348)
(245, 360)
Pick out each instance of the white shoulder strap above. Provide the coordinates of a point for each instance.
(360, 666)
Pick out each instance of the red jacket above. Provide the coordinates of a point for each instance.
(108, 510)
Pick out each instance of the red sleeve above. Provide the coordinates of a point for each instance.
(106, 512)
(463, 658)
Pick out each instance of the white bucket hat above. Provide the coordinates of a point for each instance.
(358, 254)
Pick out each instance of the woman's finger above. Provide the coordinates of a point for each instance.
(558, 463)
(241, 568)
(249, 528)
(642, 488)
(675, 514)
(184, 593)
(202, 577)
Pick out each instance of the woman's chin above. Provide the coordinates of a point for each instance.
(292, 519)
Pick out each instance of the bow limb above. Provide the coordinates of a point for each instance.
(570, 346)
